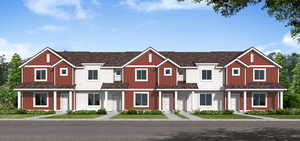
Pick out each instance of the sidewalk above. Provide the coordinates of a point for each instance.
(107, 116)
(45, 116)
(190, 116)
(171, 116)
(255, 116)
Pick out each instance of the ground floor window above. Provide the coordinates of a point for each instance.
(205, 99)
(94, 99)
(41, 99)
(141, 99)
(259, 99)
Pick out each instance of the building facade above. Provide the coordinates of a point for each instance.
(150, 79)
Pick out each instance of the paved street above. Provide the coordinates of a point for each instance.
(150, 130)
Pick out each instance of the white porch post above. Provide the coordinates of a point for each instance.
(123, 100)
(105, 99)
(19, 99)
(159, 100)
(176, 95)
(228, 100)
(281, 100)
(70, 100)
(54, 100)
(245, 101)
(193, 93)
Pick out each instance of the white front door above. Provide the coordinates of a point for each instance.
(64, 102)
(235, 102)
(167, 102)
(115, 103)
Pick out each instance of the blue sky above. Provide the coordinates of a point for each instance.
(28, 26)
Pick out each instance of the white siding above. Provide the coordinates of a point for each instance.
(217, 101)
(82, 82)
(82, 101)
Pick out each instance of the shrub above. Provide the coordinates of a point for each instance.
(39, 112)
(141, 112)
(8, 111)
(21, 111)
(275, 112)
(101, 112)
(8, 98)
(132, 112)
(82, 112)
(228, 112)
(213, 112)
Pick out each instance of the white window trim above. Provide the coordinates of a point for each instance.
(92, 79)
(136, 75)
(165, 69)
(266, 102)
(206, 79)
(233, 69)
(205, 105)
(134, 102)
(34, 104)
(46, 75)
(99, 100)
(60, 71)
(265, 74)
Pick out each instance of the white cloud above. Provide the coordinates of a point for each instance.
(156, 5)
(51, 28)
(62, 9)
(7, 48)
(289, 41)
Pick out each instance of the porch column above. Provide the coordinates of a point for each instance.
(54, 100)
(19, 100)
(159, 100)
(245, 101)
(193, 93)
(228, 100)
(105, 99)
(281, 100)
(70, 100)
(176, 95)
(123, 100)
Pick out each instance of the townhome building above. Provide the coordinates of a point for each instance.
(150, 79)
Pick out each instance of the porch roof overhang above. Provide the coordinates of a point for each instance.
(115, 86)
(43, 87)
(256, 87)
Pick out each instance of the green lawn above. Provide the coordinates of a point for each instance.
(283, 116)
(66, 116)
(16, 116)
(233, 116)
(180, 115)
(124, 116)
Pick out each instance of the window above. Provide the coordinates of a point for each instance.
(93, 75)
(63, 71)
(205, 99)
(141, 75)
(259, 75)
(40, 74)
(150, 58)
(118, 72)
(206, 75)
(251, 58)
(40, 99)
(235, 71)
(167, 71)
(141, 99)
(259, 100)
(48, 58)
(94, 99)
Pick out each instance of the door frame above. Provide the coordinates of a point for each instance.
(237, 104)
(61, 100)
(170, 95)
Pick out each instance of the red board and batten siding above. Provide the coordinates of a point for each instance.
(64, 80)
(144, 59)
(42, 59)
(236, 80)
(153, 100)
(167, 80)
(28, 101)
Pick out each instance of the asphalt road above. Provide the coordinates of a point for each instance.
(150, 130)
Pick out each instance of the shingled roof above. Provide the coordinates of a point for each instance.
(121, 58)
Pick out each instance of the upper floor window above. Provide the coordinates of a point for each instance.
(141, 74)
(141, 99)
(48, 58)
(235, 71)
(117, 74)
(92, 74)
(63, 71)
(206, 75)
(251, 57)
(259, 100)
(150, 58)
(94, 99)
(40, 99)
(40, 74)
(259, 74)
(205, 100)
(167, 71)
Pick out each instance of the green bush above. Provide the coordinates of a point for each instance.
(21, 111)
(82, 112)
(132, 112)
(275, 112)
(8, 98)
(141, 112)
(213, 112)
(152, 112)
(292, 100)
(101, 112)
(40, 112)
(8, 111)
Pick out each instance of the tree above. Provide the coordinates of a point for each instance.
(283, 10)
(14, 72)
(295, 86)
(283, 73)
(3, 69)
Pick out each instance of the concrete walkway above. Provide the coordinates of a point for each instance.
(255, 116)
(108, 116)
(172, 116)
(190, 116)
(45, 116)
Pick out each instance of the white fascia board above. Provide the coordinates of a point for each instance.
(167, 61)
(36, 89)
(255, 89)
(63, 60)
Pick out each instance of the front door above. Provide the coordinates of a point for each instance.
(115, 103)
(64, 102)
(235, 102)
(167, 102)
